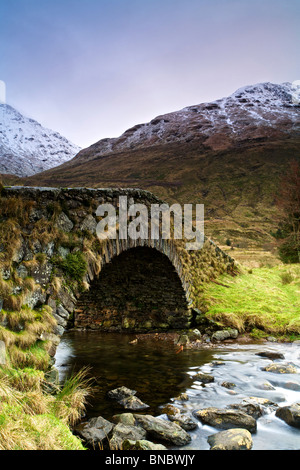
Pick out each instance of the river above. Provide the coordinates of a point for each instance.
(159, 375)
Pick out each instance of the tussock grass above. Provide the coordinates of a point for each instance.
(258, 299)
(22, 333)
(72, 398)
(32, 419)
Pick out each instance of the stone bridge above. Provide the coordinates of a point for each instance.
(51, 257)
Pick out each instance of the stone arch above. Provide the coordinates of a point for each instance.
(162, 298)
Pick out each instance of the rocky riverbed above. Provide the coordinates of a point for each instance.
(214, 395)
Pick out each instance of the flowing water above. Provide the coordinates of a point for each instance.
(159, 375)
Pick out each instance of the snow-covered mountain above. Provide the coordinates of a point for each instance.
(253, 112)
(27, 148)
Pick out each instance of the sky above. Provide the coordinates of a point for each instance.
(92, 69)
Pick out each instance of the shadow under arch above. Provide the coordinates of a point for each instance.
(138, 289)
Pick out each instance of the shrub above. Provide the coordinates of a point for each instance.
(74, 266)
(289, 251)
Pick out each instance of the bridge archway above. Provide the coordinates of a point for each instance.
(137, 290)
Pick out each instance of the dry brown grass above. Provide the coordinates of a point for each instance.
(27, 415)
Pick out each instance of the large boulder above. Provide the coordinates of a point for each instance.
(163, 430)
(221, 335)
(232, 439)
(95, 432)
(290, 414)
(255, 406)
(226, 418)
(124, 418)
(122, 432)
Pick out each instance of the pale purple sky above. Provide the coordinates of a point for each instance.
(91, 69)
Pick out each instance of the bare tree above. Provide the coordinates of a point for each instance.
(288, 201)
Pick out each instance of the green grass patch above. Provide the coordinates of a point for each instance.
(264, 299)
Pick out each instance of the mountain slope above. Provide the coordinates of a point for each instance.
(27, 148)
(228, 154)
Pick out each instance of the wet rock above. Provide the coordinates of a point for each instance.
(124, 418)
(255, 406)
(183, 340)
(217, 363)
(182, 397)
(229, 385)
(122, 432)
(163, 430)
(184, 420)
(120, 393)
(204, 378)
(133, 403)
(194, 335)
(95, 432)
(126, 397)
(226, 418)
(142, 445)
(290, 414)
(292, 386)
(265, 386)
(221, 335)
(232, 439)
(270, 355)
(281, 368)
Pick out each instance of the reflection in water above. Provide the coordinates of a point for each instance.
(151, 368)
(159, 375)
